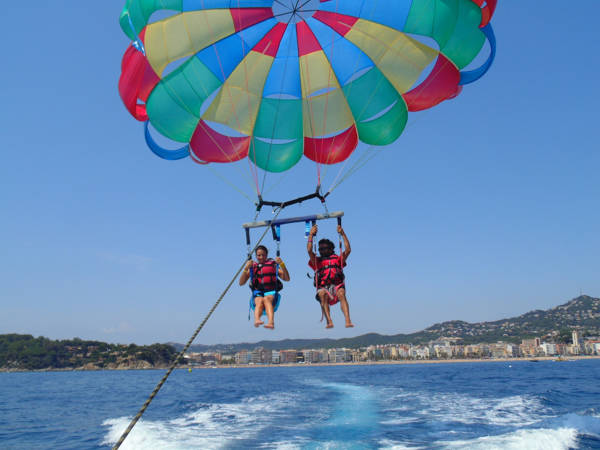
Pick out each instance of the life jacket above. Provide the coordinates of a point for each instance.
(330, 271)
(264, 277)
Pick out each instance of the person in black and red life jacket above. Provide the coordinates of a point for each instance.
(265, 284)
(329, 274)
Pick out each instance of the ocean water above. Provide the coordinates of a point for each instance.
(495, 405)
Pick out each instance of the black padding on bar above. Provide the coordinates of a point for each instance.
(295, 201)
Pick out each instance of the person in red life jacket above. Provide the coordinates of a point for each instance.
(265, 284)
(329, 274)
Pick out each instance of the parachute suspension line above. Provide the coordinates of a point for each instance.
(235, 114)
(183, 104)
(361, 161)
(359, 164)
(373, 92)
(228, 182)
(285, 68)
(330, 72)
(253, 169)
(252, 148)
(311, 113)
(356, 60)
(322, 176)
(187, 346)
(277, 183)
(243, 175)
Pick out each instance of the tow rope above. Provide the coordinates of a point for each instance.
(138, 416)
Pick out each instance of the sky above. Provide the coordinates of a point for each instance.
(485, 208)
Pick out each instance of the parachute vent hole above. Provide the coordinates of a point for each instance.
(292, 11)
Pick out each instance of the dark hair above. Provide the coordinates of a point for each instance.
(262, 247)
(327, 242)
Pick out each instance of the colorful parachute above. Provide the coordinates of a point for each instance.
(273, 80)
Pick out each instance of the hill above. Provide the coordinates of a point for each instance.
(581, 313)
(24, 352)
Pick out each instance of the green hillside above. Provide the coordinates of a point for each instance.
(24, 352)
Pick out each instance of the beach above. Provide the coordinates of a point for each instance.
(324, 364)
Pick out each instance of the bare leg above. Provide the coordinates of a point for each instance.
(268, 301)
(341, 294)
(324, 297)
(258, 309)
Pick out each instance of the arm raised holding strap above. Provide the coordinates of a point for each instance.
(347, 248)
(245, 276)
(283, 272)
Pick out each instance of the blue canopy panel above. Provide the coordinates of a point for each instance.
(224, 56)
(170, 155)
(467, 77)
(194, 5)
(345, 58)
(284, 77)
(392, 13)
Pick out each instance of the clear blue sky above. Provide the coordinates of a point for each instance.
(487, 206)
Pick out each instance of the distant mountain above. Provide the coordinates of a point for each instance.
(582, 313)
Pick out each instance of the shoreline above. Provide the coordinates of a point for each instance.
(401, 362)
(324, 364)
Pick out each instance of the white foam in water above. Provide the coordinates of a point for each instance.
(210, 427)
(537, 439)
(562, 436)
(391, 445)
(286, 445)
(518, 410)
(589, 425)
(221, 425)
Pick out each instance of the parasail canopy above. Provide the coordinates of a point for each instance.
(273, 80)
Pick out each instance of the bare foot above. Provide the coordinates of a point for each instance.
(349, 325)
(258, 323)
(329, 325)
(270, 326)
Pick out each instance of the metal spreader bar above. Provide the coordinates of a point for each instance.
(309, 219)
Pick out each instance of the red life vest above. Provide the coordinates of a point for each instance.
(264, 277)
(329, 271)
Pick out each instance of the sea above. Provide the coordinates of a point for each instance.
(486, 405)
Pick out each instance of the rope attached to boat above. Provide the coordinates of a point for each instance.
(138, 416)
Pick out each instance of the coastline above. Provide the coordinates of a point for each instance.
(401, 362)
(360, 363)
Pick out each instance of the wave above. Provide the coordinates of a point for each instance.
(537, 439)
(343, 415)
(411, 407)
(456, 420)
(210, 426)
